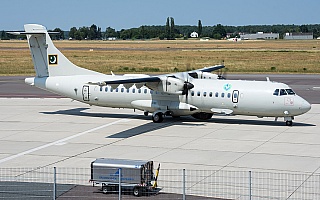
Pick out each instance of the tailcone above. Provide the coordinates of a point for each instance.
(29, 81)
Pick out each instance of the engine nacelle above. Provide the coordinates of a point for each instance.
(203, 75)
(170, 85)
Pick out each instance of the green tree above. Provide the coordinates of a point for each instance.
(59, 36)
(77, 35)
(3, 35)
(172, 29)
(219, 32)
(167, 30)
(84, 32)
(72, 31)
(92, 34)
(110, 32)
(304, 29)
(199, 28)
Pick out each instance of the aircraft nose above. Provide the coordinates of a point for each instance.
(305, 106)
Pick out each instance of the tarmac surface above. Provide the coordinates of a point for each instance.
(40, 129)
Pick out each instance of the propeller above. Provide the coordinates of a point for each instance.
(187, 85)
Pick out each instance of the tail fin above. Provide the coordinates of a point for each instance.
(47, 59)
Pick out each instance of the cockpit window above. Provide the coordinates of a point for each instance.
(290, 92)
(283, 92)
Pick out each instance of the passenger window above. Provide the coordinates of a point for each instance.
(204, 94)
(290, 92)
(217, 94)
(133, 90)
(128, 90)
(145, 91)
(192, 93)
(139, 91)
(235, 95)
(229, 95)
(122, 89)
(283, 92)
(101, 88)
(198, 94)
(276, 92)
(210, 94)
(222, 95)
(106, 89)
(151, 91)
(111, 89)
(117, 89)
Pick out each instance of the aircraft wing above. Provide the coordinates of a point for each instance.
(210, 69)
(177, 83)
(127, 82)
(133, 80)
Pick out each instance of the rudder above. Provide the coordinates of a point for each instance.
(47, 59)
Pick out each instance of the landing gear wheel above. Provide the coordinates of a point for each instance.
(157, 118)
(136, 192)
(289, 123)
(105, 189)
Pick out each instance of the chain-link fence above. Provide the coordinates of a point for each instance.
(74, 183)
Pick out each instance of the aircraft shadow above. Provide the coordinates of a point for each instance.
(168, 122)
(79, 112)
(256, 122)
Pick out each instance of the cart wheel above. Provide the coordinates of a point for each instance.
(136, 192)
(105, 189)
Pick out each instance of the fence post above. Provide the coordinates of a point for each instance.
(54, 183)
(184, 184)
(119, 183)
(250, 185)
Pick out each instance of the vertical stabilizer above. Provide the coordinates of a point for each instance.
(47, 59)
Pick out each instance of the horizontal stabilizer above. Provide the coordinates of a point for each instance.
(31, 33)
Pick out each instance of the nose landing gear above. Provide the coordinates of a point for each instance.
(288, 120)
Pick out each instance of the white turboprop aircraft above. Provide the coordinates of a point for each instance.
(198, 93)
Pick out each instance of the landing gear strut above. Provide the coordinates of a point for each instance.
(288, 120)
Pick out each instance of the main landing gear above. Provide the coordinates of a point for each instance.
(157, 117)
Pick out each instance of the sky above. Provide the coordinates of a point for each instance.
(124, 14)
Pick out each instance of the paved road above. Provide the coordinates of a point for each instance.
(307, 86)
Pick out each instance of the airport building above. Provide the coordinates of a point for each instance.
(260, 36)
(298, 36)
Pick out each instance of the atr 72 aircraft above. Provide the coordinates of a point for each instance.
(198, 93)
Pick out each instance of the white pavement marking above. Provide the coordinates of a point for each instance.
(62, 141)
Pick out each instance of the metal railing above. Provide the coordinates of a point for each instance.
(73, 183)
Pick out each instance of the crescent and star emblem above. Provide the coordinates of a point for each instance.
(53, 59)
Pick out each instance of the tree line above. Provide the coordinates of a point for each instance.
(170, 31)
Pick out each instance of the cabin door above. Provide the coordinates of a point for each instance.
(235, 96)
(85, 93)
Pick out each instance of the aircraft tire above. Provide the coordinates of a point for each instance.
(157, 118)
(202, 116)
(289, 123)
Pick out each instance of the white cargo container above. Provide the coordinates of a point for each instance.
(136, 175)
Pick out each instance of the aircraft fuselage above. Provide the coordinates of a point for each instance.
(236, 97)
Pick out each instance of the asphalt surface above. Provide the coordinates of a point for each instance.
(307, 86)
(240, 142)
